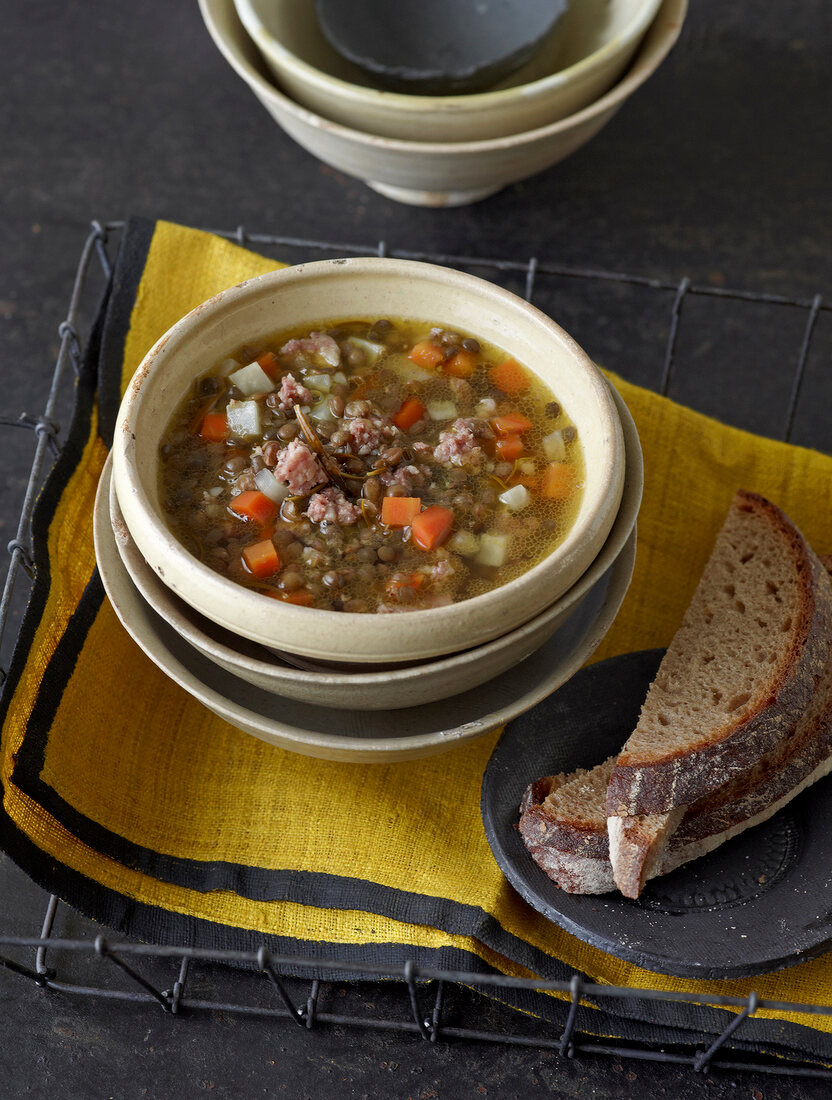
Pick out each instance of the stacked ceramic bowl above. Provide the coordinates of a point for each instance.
(444, 150)
(322, 681)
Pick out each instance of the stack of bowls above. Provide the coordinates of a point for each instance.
(445, 150)
(366, 662)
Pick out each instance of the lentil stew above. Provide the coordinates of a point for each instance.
(370, 466)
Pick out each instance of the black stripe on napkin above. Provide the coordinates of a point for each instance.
(101, 368)
(105, 350)
(646, 1022)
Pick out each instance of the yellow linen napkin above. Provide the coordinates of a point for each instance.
(130, 799)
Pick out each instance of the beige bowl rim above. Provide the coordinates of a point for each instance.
(262, 36)
(667, 25)
(242, 611)
(618, 538)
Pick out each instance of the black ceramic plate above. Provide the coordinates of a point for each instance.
(758, 903)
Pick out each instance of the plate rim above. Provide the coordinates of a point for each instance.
(347, 747)
(244, 664)
(642, 957)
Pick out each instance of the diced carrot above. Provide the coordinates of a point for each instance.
(268, 361)
(431, 527)
(253, 505)
(399, 511)
(511, 424)
(558, 481)
(426, 354)
(508, 448)
(302, 597)
(409, 414)
(461, 365)
(509, 377)
(214, 427)
(406, 580)
(531, 481)
(261, 558)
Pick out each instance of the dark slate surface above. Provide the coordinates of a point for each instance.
(718, 169)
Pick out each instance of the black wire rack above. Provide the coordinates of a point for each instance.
(132, 962)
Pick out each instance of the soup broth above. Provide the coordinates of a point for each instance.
(370, 465)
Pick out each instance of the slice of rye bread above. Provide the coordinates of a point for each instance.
(573, 847)
(563, 823)
(563, 818)
(740, 670)
(736, 678)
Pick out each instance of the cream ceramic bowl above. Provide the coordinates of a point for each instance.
(436, 173)
(585, 54)
(391, 689)
(335, 289)
(361, 735)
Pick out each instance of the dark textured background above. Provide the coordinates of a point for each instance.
(718, 169)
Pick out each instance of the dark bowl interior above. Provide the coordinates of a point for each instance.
(438, 47)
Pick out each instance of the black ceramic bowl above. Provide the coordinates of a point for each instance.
(438, 47)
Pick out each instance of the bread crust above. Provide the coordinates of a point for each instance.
(684, 853)
(574, 873)
(776, 776)
(577, 855)
(637, 846)
(540, 830)
(655, 783)
(580, 863)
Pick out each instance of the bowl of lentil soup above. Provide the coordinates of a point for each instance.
(370, 687)
(295, 427)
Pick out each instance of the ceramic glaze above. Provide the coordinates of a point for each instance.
(436, 48)
(436, 172)
(390, 688)
(360, 735)
(300, 295)
(579, 60)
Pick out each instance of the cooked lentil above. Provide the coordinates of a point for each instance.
(397, 464)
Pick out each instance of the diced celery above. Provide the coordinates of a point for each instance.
(371, 350)
(464, 542)
(251, 380)
(244, 418)
(493, 550)
(516, 498)
(317, 382)
(407, 370)
(322, 411)
(441, 410)
(554, 446)
(269, 486)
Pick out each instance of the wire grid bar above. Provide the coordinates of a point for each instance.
(264, 960)
(570, 1043)
(380, 248)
